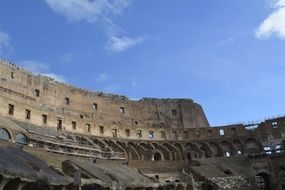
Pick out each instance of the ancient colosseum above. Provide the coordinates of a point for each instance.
(56, 136)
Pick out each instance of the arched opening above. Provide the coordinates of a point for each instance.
(12, 184)
(180, 148)
(4, 135)
(176, 154)
(216, 149)
(207, 186)
(133, 154)
(264, 181)
(165, 153)
(238, 146)
(205, 150)
(189, 149)
(251, 146)
(39, 184)
(92, 186)
(21, 139)
(180, 187)
(157, 156)
(227, 148)
(189, 156)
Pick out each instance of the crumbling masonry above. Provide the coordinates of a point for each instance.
(56, 136)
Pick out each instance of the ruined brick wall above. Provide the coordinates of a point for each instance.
(43, 96)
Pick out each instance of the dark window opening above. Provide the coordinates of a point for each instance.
(136, 123)
(44, 116)
(157, 177)
(101, 130)
(12, 75)
(45, 87)
(228, 172)
(157, 156)
(73, 123)
(127, 132)
(174, 113)
(122, 110)
(95, 106)
(37, 93)
(28, 114)
(59, 124)
(81, 117)
(189, 156)
(11, 109)
(66, 101)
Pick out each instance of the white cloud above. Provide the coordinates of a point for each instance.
(113, 88)
(56, 77)
(88, 10)
(134, 84)
(274, 24)
(102, 77)
(4, 41)
(117, 44)
(92, 11)
(227, 41)
(67, 58)
(41, 69)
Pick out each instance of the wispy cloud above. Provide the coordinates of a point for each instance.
(4, 42)
(95, 11)
(274, 24)
(67, 58)
(117, 44)
(227, 41)
(134, 84)
(113, 88)
(102, 77)
(41, 69)
(87, 10)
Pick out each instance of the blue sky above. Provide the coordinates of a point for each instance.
(226, 55)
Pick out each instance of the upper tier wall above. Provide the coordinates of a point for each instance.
(42, 95)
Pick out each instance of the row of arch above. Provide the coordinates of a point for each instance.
(178, 151)
(6, 136)
(163, 151)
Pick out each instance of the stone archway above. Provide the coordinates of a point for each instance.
(21, 139)
(4, 134)
(264, 181)
(157, 156)
(251, 146)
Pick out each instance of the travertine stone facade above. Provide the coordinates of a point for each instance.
(83, 111)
